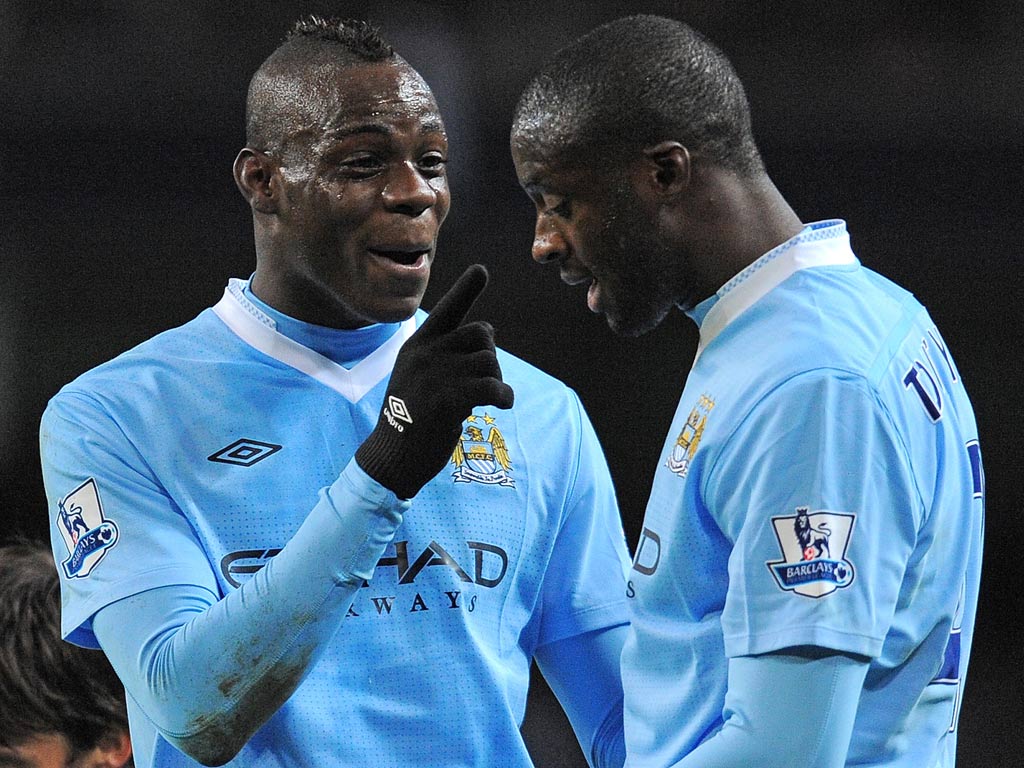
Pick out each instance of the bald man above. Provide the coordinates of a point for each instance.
(314, 526)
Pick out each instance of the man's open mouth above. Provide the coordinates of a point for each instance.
(404, 256)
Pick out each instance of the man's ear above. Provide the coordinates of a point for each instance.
(257, 180)
(668, 168)
(113, 751)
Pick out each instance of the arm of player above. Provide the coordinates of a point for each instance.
(210, 672)
(583, 672)
(791, 709)
(583, 620)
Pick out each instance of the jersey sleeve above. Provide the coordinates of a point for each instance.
(206, 672)
(590, 693)
(815, 490)
(767, 695)
(114, 530)
(584, 586)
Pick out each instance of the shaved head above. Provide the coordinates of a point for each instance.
(637, 81)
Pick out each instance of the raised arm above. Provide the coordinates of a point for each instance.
(209, 672)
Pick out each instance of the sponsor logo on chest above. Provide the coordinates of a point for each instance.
(489, 567)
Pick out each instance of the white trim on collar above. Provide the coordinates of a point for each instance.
(822, 244)
(259, 331)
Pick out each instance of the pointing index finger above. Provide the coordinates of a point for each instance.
(453, 307)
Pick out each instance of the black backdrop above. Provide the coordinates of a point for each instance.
(119, 218)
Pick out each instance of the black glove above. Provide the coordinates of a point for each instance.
(443, 370)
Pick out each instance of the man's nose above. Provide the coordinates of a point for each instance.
(409, 191)
(548, 243)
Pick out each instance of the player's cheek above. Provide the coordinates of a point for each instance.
(443, 203)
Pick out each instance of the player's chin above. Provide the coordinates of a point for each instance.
(393, 311)
(396, 306)
(632, 322)
(397, 297)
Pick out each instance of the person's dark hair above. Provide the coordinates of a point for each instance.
(48, 686)
(641, 79)
(359, 37)
(313, 42)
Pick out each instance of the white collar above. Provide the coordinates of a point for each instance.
(822, 244)
(259, 331)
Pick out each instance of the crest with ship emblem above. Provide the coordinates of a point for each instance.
(689, 437)
(480, 459)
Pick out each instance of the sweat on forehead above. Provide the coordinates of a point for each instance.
(294, 88)
(566, 130)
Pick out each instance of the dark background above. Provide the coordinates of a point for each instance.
(119, 218)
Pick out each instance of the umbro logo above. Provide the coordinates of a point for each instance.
(396, 411)
(244, 452)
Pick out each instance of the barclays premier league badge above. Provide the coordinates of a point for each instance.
(86, 532)
(813, 548)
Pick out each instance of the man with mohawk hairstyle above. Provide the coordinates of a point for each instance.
(266, 544)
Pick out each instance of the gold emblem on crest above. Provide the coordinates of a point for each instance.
(482, 460)
(689, 437)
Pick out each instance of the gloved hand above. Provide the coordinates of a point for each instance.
(442, 371)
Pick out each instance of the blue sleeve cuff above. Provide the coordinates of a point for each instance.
(792, 635)
(356, 482)
(362, 505)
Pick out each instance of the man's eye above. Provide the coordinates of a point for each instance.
(434, 162)
(563, 209)
(556, 205)
(362, 165)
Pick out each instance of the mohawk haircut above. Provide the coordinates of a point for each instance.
(47, 685)
(313, 44)
(641, 79)
(359, 37)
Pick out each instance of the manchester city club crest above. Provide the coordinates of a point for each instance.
(482, 460)
(689, 437)
(813, 547)
(86, 532)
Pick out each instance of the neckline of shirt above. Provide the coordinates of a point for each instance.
(818, 244)
(346, 347)
(240, 312)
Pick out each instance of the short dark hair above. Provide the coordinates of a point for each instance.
(641, 79)
(359, 37)
(312, 41)
(48, 686)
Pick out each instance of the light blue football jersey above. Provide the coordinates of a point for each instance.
(821, 485)
(193, 458)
